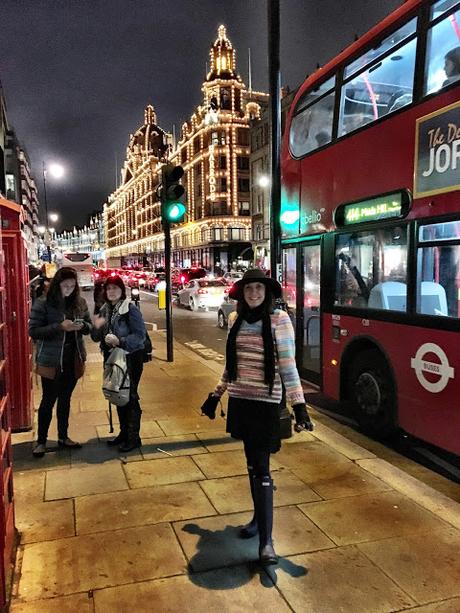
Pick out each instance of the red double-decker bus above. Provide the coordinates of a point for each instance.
(370, 219)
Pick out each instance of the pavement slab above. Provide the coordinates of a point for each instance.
(162, 471)
(84, 480)
(89, 562)
(426, 565)
(228, 590)
(54, 458)
(149, 429)
(339, 480)
(217, 441)
(141, 507)
(446, 606)
(225, 464)
(232, 494)
(182, 444)
(341, 444)
(370, 517)
(214, 542)
(29, 487)
(339, 580)
(80, 603)
(315, 454)
(38, 521)
(187, 425)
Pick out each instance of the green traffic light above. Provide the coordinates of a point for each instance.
(175, 211)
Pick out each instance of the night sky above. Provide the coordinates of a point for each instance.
(77, 74)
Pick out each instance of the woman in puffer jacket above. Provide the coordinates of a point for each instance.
(57, 322)
(120, 324)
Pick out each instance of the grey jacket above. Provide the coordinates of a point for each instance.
(45, 328)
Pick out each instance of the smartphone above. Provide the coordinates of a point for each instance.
(78, 321)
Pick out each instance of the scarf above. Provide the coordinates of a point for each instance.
(251, 316)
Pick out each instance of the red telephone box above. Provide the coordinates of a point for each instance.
(7, 530)
(17, 316)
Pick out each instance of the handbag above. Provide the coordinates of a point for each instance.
(47, 372)
(79, 367)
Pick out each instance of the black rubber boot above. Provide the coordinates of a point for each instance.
(263, 492)
(250, 529)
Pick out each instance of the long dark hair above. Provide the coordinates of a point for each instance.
(263, 313)
(54, 296)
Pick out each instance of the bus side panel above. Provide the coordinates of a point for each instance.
(355, 168)
(426, 367)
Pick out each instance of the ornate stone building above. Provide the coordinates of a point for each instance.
(214, 151)
(131, 215)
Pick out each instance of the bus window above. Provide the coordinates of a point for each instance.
(311, 125)
(438, 272)
(443, 51)
(371, 269)
(381, 89)
(289, 281)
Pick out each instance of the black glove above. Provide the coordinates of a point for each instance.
(209, 406)
(302, 419)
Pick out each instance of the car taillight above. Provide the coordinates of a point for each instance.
(96, 275)
(202, 291)
(226, 290)
(113, 274)
(182, 279)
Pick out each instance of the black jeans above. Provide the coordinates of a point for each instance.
(60, 388)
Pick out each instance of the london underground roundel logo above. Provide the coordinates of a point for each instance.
(441, 369)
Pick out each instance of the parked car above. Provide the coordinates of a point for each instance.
(152, 279)
(202, 294)
(137, 278)
(181, 276)
(231, 277)
(225, 308)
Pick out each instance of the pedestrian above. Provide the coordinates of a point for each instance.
(260, 358)
(120, 324)
(58, 320)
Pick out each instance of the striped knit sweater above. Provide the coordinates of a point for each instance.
(250, 362)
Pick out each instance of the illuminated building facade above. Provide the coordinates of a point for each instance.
(88, 239)
(131, 215)
(214, 151)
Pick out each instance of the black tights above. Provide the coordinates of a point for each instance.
(258, 460)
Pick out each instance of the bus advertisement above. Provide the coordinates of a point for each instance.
(83, 264)
(370, 221)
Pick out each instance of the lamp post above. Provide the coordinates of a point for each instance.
(57, 171)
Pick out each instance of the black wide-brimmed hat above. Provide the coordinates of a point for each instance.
(254, 275)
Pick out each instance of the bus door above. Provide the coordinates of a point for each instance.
(309, 324)
(301, 293)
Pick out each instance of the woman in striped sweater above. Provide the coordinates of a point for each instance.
(260, 357)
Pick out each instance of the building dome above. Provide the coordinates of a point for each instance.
(222, 57)
(148, 139)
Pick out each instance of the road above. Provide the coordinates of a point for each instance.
(197, 330)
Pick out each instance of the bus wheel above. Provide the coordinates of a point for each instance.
(372, 394)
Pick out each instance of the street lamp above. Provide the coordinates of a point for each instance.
(57, 171)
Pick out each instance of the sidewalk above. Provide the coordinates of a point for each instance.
(156, 529)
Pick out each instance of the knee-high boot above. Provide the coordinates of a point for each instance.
(263, 492)
(250, 529)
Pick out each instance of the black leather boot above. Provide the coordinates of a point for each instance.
(133, 427)
(263, 491)
(250, 529)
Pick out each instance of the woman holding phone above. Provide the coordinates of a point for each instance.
(57, 322)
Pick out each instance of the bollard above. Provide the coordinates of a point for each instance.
(161, 288)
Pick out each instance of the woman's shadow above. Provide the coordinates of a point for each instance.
(232, 560)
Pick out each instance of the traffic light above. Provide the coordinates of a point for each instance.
(171, 194)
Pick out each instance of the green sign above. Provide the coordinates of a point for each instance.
(382, 207)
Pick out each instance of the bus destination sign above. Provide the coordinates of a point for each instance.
(372, 210)
(437, 152)
(387, 206)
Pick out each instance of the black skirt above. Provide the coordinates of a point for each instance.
(254, 422)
